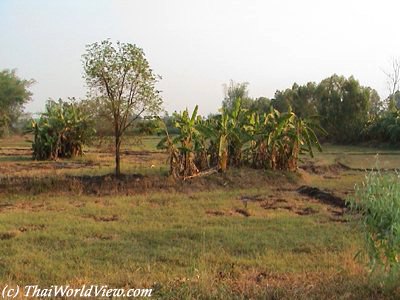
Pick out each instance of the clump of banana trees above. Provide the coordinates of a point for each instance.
(182, 148)
(61, 131)
(227, 135)
(238, 137)
(277, 139)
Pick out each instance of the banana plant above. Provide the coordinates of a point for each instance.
(217, 130)
(238, 133)
(188, 133)
(279, 138)
(182, 148)
(61, 131)
(271, 140)
(229, 136)
(174, 156)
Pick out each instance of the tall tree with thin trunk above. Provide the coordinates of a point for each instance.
(122, 83)
(393, 82)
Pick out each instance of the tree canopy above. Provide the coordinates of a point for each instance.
(343, 105)
(122, 83)
(235, 91)
(14, 93)
(301, 98)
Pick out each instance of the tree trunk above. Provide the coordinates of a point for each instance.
(117, 155)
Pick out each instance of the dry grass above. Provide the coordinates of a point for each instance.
(245, 234)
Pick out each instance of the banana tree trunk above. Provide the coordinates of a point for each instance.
(223, 153)
(223, 161)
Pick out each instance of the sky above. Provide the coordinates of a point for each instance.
(197, 46)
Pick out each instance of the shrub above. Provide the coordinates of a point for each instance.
(385, 128)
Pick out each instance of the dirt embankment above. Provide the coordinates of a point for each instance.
(334, 169)
(138, 183)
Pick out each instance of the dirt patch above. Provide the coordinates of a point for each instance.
(217, 213)
(87, 179)
(32, 227)
(255, 198)
(338, 219)
(336, 212)
(302, 249)
(324, 197)
(345, 167)
(106, 218)
(45, 166)
(5, 206)
(243, 212)
(102, 237)
(312, 202)
(8, 235)
(27, 206)
(33, 207)
(289, 206)
(236, 211)
(307, 211)
(137, 153)
(278, 203)
(74, 165)
(331, 177)
(78, 203)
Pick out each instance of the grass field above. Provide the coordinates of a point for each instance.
(248, 234)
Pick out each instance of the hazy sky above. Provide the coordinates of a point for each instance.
(196, 46)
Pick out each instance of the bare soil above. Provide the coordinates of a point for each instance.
(324, 197)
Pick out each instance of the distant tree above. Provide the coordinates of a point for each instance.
(104, 125)
(393, 82)
(301, 98)
(282, 100)
(233, 92)
(305, 103)
(396, 98)
(376, 106)
(343, 105)
(123, 84)
(147, 126)
(169, 121)
(384, 129)
(261, 104)
(14, 94)
(22, 123)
